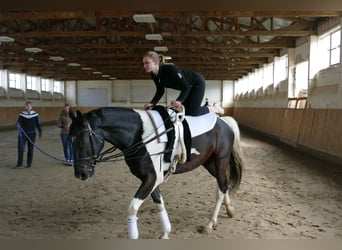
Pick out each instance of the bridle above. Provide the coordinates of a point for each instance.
(92, 135)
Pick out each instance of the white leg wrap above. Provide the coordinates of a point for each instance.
(165, 222)
(133, 232)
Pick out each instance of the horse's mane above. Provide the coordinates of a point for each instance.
(103, 113)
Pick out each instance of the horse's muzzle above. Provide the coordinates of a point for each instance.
(83, 173)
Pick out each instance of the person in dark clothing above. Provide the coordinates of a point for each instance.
(206, 102)
(191, 85)
(28, 122)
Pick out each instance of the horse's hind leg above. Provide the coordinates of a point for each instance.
(218, 170)
(220, 197)
(213, 220)
(163, 216)
(227, 204)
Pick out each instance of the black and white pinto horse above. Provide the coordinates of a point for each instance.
(139, 142)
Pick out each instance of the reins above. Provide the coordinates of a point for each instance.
(128, 151)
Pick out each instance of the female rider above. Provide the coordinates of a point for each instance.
(191, 85)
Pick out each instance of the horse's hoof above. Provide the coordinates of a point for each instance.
(230, 211)
(203, 229)
(164, 236)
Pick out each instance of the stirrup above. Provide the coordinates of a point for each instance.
(171, 170)
(173, 166)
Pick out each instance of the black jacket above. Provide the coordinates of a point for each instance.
(30, 121)
(169, 76)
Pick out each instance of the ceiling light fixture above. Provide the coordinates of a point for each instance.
(73, 64)
(161, 48)
(157, 37)
(56, 58)
(144, 18)
(86, 68)
(113, 78)
(33, 50)
(97, 73)
(105, 75)
(6, 39)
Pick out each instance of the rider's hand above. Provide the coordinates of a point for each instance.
(176, 104)
(148, 106)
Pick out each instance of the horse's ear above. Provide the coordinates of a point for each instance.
(77, 117)
(72, 115)
(79, 114)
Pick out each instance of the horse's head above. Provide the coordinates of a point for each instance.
(87, 144)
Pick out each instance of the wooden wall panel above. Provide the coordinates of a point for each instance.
(9, 116)
(48, 114)
(322, 131)
(228, 111)
(271, 120)
(267, 120)
(316, 129)
(291, 124)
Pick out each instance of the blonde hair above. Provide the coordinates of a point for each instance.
(158, 58)
(153, 55)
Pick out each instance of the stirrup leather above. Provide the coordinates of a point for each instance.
(179, 150)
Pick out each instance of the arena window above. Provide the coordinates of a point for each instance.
(329, 46)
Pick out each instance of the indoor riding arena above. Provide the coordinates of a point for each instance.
(277, 73)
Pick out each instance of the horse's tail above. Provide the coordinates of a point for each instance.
(237, 159)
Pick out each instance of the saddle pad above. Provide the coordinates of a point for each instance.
(198, 124)
(201, 124)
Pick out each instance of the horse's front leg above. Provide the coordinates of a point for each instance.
(163, 216)
(132, 219)
(144, 190)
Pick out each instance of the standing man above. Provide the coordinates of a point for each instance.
(63, 122)
(28, 123)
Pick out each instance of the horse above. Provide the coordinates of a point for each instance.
(217, 150)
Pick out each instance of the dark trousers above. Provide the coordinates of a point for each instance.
(192, 103)
(22, 141)
(67, 147)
